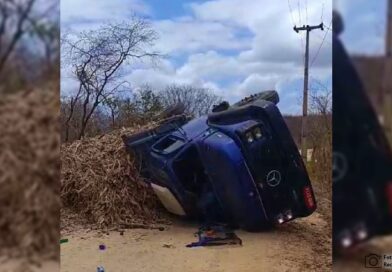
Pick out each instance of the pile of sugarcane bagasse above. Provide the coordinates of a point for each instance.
(101, 183)
(29, 174)
(94, 179)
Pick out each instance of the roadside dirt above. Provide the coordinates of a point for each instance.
(355, 261)
(303, 245)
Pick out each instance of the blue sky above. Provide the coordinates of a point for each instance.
(365, 24)
(233, 47)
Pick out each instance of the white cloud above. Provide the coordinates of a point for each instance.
(235, 47)
(364, 17)
(187, 34)
(81, 14)
(271, 24)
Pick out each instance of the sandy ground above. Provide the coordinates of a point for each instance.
(303, 245)
(355, 261)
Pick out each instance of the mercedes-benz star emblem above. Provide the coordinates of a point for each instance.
(339, 166)
(273, 178)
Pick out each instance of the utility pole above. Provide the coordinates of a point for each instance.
(304, 131)
(386, 86)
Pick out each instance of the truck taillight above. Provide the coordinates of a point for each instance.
(308, 197)
(388, 190)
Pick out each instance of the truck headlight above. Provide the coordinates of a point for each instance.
(289, 215)
(249, 137)
(280, 219)
(346, 241)
(362, 234)
(257, 133)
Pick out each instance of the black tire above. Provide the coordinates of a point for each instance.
(221, 107)
(271, 96)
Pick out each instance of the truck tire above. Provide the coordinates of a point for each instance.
(271, 96)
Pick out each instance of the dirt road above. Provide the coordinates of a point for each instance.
(355, 261)
(303, 245)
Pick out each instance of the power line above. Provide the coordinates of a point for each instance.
(321, 37)
(322, 12)
(299, 12)
(291, 12)
(318, 51)
(293, 22)
(300, 22)
(329, 28)
(306, 9)
(322, 85)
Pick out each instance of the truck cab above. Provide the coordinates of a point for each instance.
(238, 165)
(362, 158)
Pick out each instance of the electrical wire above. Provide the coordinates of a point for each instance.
(322, 12)
(300, 23)
(306, 9)
(321, 45)
(293, 22)
(299, 13)
(291, 12)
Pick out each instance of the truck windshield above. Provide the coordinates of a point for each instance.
(168, 144)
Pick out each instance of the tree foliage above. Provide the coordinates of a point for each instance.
(96, 58)
(29, 43)
(197, 101)
(141, 106)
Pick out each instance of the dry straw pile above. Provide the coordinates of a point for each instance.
(99, 181)
(29, 174)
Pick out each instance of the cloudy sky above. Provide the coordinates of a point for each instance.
(233, 47)
(365, 24)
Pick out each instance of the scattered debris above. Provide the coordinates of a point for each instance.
(29, 174)
(62, 241)
(215, 236)
(168, 246)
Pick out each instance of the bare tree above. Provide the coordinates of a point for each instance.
(23, 23)
(72, 102)
(49, 35)
(320, 135)
(198, 101)
(14, 22)
(113, 104)
(97, 56)
(147, 102)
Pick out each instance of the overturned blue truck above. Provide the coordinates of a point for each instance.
(238, 165)
(362, 157)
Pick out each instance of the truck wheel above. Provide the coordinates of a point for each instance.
(271, 96)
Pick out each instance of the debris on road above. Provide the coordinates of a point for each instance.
(168, 246)
(216, 236)
(62, 241)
